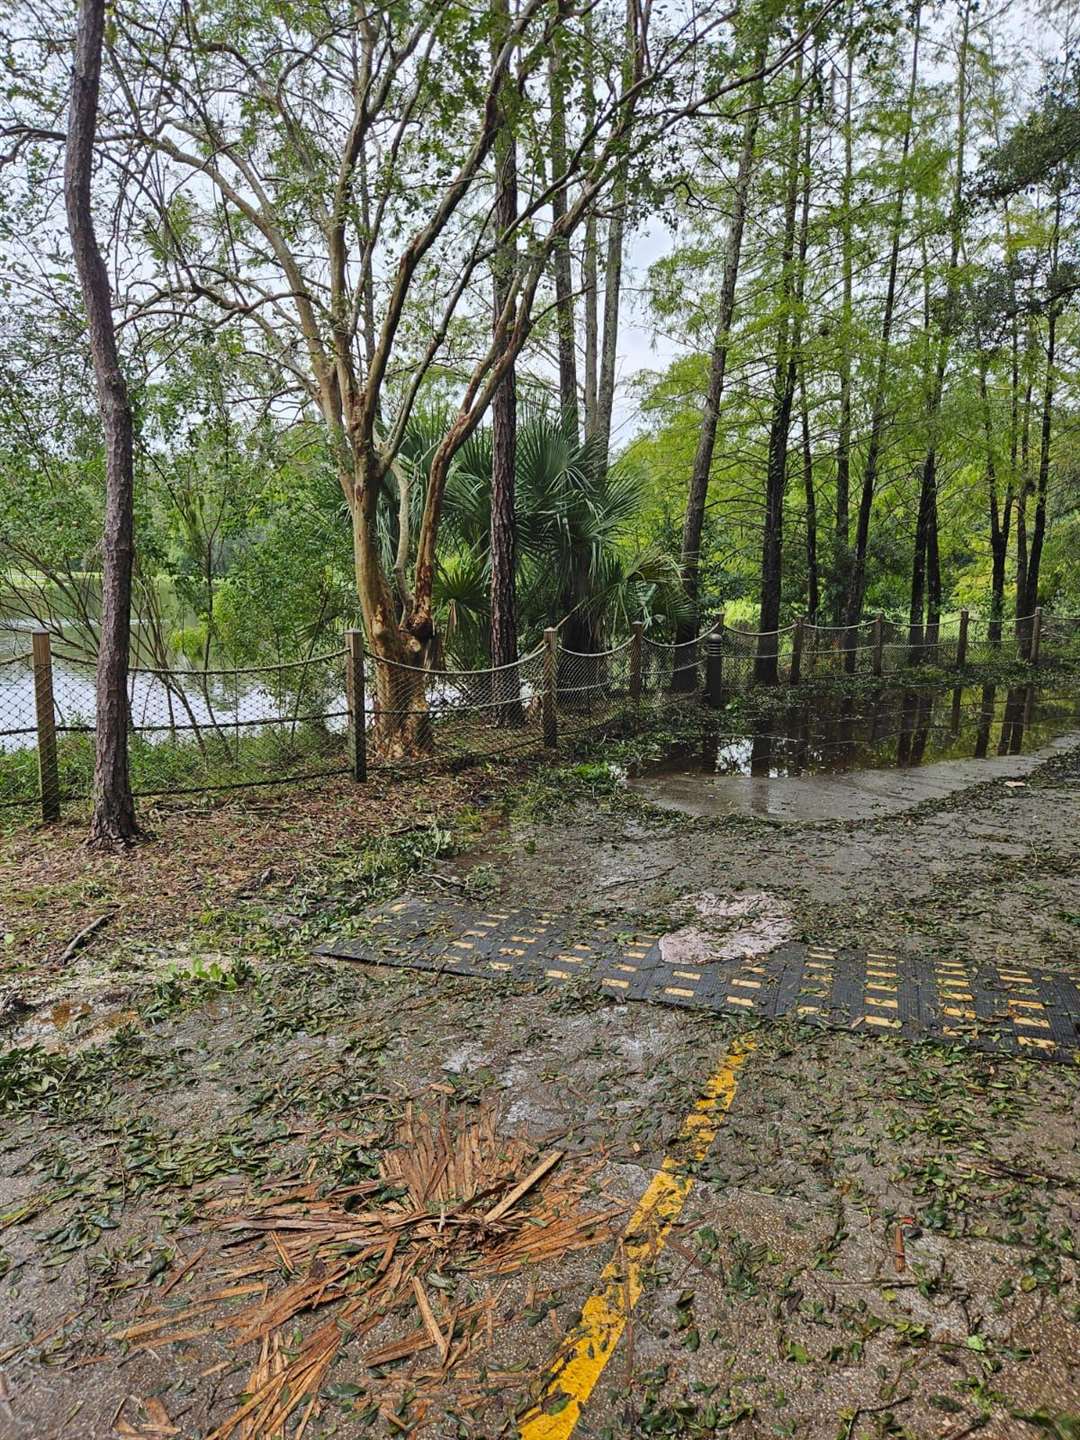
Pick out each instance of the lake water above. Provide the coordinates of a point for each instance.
(161, 708)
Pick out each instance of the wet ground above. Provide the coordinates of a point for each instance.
(881, 1239)
(854, 758)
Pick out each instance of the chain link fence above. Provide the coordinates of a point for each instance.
(195, 730)
(19, 780)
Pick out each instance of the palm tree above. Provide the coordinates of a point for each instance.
(578, 566)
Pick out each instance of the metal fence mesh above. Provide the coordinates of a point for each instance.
(18, 728)
(413, 716)
(194, 729)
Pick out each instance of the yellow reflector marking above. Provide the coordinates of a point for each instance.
(572, 1376)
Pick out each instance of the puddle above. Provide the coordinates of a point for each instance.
(849, 759)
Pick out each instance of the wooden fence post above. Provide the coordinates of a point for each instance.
(796, 651)
(879, 642)
(714, 666)
(354, 695)
(550, 706)
(635, 660)
(962, 641)
(1036, 635)
(48, 770)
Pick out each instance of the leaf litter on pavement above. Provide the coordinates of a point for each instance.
(382, 1266)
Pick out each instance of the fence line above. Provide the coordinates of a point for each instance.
(350, 712)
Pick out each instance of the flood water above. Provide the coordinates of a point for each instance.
(847, 757)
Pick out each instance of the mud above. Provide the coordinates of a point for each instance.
(882, 1241)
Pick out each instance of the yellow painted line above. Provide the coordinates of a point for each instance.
(618, 984)
(581, 1359)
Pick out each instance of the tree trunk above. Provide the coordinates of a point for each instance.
(1000, 518)
(504, 425)
(772, 542)
(1023, 491)
(605, 395)
(857, 584)
(590, 280)
(1038, 534)
(113, 822)
(697, 496)
(926, 570)
(843, 439)
(564, 280)
(813, 588)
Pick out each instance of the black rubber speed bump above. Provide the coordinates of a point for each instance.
(1002, 1007)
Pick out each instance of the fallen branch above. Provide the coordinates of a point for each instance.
(84, 935)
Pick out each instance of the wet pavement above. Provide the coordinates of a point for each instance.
(879, 1240)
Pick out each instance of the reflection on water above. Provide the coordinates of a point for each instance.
(893, 729)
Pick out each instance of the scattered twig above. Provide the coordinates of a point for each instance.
(84, 935)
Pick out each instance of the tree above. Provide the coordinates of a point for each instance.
(256, 209)
(697, 493)
(113, 821)
(504, 642)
